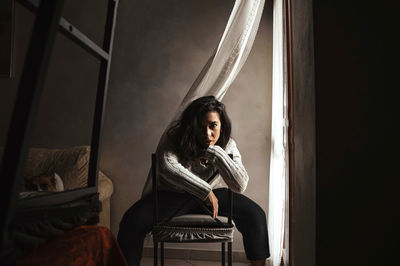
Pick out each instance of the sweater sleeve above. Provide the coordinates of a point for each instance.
(173, 172)
(231, 170)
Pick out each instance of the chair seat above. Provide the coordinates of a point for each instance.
(198, 220)
(194, 228)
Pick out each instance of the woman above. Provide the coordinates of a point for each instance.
(195, 147)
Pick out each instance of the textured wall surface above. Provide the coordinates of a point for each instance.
(159, 49)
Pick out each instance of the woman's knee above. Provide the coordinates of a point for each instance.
(136, 220)
(256, 218)
(250, 217)
(259, 213)
(130, 221)
(247, 208)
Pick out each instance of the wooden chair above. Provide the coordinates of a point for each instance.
(191, 228)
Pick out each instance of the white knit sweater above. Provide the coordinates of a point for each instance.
(191, 177)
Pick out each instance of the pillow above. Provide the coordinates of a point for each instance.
(70, 163)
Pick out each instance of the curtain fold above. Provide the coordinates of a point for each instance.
(279, 151)
(230, 54)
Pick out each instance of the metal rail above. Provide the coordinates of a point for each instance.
(25, 109)
(70, 31)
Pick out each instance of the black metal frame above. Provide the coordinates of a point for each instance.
(48, 22)
(156, 220)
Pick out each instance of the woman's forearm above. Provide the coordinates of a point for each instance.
(231, 170)
(176, 174)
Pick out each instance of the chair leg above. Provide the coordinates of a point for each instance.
(229, 253)
(155, 255)
(162, 253)
(223, 253)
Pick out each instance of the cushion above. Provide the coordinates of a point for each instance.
(200, 220)
(70, 163)
(191, 234)
(193, 228)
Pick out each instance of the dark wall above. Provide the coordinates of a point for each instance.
(357, 144)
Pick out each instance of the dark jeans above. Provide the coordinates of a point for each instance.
(248, 216)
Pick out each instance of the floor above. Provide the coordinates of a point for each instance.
(179, 262)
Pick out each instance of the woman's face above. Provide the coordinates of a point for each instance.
(210, 129)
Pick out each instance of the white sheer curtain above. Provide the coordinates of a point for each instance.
(278, 165)
(230, 54)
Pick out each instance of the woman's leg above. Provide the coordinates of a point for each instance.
(138, 221)
(250, 220)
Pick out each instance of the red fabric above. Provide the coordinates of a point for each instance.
(84, 245)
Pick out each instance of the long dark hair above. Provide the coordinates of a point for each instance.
(184, 131)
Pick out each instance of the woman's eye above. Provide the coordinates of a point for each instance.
(212, 126)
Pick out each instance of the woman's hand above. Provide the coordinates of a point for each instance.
(212, 201)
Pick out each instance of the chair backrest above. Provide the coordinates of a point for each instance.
(154, 187)
(155, 195)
